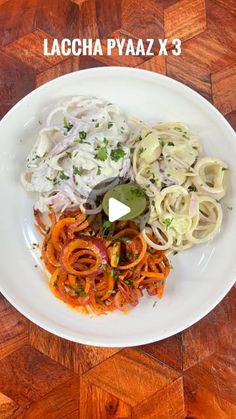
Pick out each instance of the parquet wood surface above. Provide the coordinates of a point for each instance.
(190, 375)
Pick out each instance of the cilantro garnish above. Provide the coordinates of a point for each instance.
(117, 154)
(141, 150)
(63, 176)
(81, 292)
(67, 125)
(82, 135)
(76, 171)
(106, 225)
(102, 153)
(167, 222)
(110, 124)
(163, 185)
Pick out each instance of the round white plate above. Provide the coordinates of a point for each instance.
(201, 276)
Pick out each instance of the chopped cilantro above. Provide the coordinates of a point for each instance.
(170, 143)
(97, 125)
(141, 150)
(76, 171)
(116, 274)
(99, 171)
(189, 170)
(161, 142)
(128, 281)
(81, 292)
(105, 140)
(106, 225)
(163, 185)
(102, 153)
(69, 154)
(117, 154)
(67, 125)
(82, 135)
(110, 124)
(167, 222)
(63, 176)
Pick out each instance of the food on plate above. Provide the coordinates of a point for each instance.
(98, 265)
(184, 188)
(82, 144)
(88, 142)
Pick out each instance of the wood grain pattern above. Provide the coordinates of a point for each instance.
(199, 402)
(90, 356)
(62, 402)
(131, 376)
(223, 89)
(168, 351)
(212, 333)
(143, 19)
(28, 49)
(184, 19)
(192, 374)
(217, 374)
(60, 350)
(7, 407)
(96, 403)
(167, 403)
(156, 64)
(27, 375)
(17, 18)
(13, 329)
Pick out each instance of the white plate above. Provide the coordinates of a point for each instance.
(201, 276)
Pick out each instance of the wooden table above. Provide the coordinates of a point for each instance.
(191, 374)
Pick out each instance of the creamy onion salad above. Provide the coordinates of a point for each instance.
(70, 157)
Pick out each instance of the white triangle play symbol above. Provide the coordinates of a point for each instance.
(117, 209)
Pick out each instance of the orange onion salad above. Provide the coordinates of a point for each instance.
(98, 265)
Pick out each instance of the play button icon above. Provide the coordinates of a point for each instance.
(117, 209)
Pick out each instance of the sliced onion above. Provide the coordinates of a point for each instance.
(103, 252)
(90, 211)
